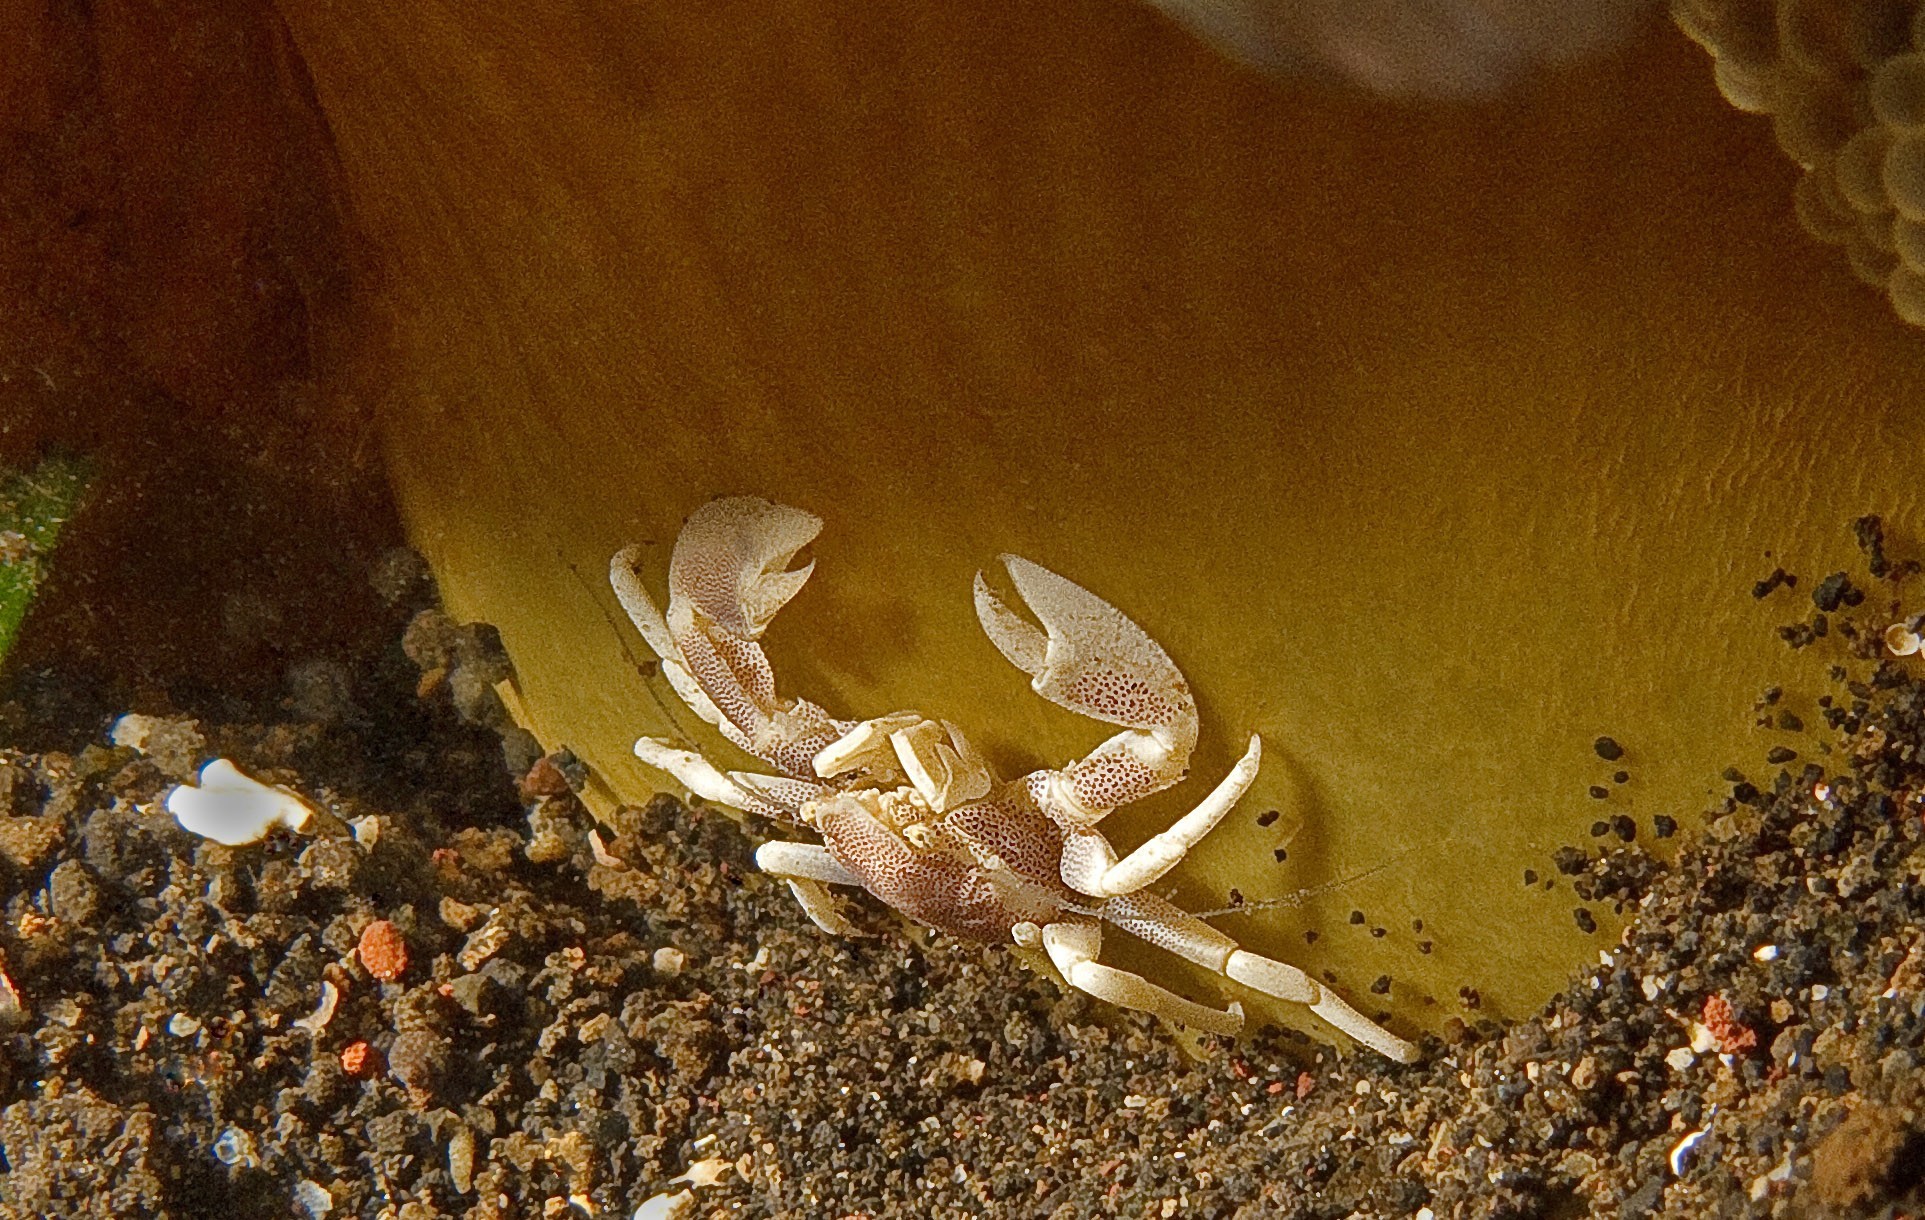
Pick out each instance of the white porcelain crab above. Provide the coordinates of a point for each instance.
(906, 807)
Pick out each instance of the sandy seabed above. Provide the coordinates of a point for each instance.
(457, 996)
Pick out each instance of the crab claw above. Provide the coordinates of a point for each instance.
(624, 575)
(732, 558)
(1089, 657)
(727, 577)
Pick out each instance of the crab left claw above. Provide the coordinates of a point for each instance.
(727, 577)
(731, 563)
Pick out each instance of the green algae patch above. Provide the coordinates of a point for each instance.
(34, 504)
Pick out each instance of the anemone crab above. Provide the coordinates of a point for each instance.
(908, 809)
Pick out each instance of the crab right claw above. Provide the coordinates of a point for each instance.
(1089, 657)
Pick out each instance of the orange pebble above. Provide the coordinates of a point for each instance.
(357, 1059)
(1732, 1036)
(543, 779)
(383, 951)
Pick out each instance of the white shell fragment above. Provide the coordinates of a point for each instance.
(317, 1020)
(706, 1172)
(233, 808)
(1901, 640)
(666, 1207)
(1681, 1153)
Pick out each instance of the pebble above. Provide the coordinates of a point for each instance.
(235, 1147)
(461, 1159)
(175, 744)
(1585, 1074)
(383, 950)
(313, 1198)
(418, 1059)
(486, 941)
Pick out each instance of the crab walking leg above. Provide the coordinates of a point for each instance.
(1286, 982)
(1073, 948)
(1164, 925)
(770, 796)
(802, 862)
(808, 867)
(690, 770)
(1088, 871)
(1335, 1010)
(821, 907)
(865, 747)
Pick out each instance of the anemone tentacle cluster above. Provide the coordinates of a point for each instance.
(1844, 84)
